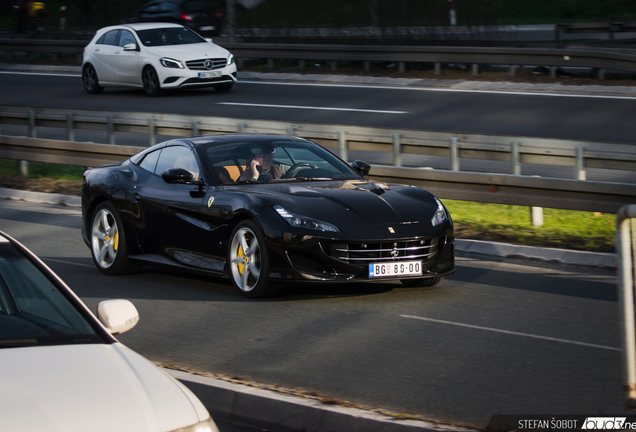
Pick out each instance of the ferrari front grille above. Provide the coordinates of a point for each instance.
(394, 250)
(207, 64)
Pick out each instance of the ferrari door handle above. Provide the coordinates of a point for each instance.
(136, 198)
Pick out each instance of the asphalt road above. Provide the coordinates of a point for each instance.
(590, 118)
(499, 337)
(566, 117)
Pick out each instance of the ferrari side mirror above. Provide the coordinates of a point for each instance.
(362, 167)
(177, 175)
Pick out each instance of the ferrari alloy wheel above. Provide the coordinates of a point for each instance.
(248, 261)
(150, 81)
(414, 283)
(91, 82)
(108, 243)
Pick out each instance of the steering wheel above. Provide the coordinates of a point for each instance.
(293, 170)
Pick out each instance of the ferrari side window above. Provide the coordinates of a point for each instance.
(177, 157)
(150, 161)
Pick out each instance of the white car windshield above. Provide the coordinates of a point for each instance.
(33, 311)
(168, 36)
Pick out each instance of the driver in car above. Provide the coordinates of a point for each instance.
(262, 166)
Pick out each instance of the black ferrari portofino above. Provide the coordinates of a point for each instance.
(262, 210)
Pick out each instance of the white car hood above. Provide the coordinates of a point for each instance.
(189, 51)
(95, 387)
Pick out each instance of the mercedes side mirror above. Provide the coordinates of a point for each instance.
(130, 47)
(118, 316)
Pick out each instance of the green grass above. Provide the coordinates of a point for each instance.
(565, 229)
(39, 170)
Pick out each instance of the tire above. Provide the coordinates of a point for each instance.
(248, 262)
(414, 283)
(108, 241)
(91, 80)
(150, 80)
(222, 88)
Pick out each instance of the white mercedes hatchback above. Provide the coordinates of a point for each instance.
(155, 57)
(61, 369)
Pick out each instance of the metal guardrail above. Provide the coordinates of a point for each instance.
(398, 142)
(551, 57)
(489, 188)
(626, 253)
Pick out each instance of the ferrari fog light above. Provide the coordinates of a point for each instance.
(171, 63)
(204, 426)
(440, 214)
(304, 221)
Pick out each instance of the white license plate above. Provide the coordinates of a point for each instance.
(213, 74)
(392, 269)
(206, 28)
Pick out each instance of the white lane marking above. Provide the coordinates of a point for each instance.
(396, 87)
(449, 90)
(313, 108)
(512, 333)
(40, 73)
(68, 262)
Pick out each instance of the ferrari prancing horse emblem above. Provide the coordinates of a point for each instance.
(210, 201)
(391, 230)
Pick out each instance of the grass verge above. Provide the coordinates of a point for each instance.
(564, 229)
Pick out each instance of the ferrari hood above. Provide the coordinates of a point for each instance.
(189, 51)
(94, 387)
(354, 203)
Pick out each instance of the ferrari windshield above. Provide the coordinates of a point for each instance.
(274, 160)
(32, 310)
(168, 36)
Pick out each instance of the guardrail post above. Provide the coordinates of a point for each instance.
(367, 66)
(553, 70)
(152, 139)
(536, 216)
(475, 69)
(454, 154)
(580, 163)
(513, 71)
(195, 128)
(241, 127)
(110, 130)
(270, 63)
(291, 130)
(438, 68)
(401, 67)
(70, 133)
(600, 74)
(514, 158)
(31, 128)
(626, 300)
(397, 150)
(301, 65)
(23, 167)
(342, 145)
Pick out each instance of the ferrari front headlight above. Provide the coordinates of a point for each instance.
(171, 63)
(440, 215)
(304, 221)
(204, 426)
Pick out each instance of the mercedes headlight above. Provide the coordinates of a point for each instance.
(230, 59)
(304, 221)
(440, 214)
(204, 426)
(171, 63)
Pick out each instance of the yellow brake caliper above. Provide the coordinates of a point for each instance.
(241, 265)
(116, 241)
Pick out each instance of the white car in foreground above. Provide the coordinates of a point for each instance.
(62, 370)
(155, 57)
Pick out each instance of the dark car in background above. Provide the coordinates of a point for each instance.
(203, 16)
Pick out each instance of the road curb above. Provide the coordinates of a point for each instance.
(552, 255)
(265, 408)
(41, 197)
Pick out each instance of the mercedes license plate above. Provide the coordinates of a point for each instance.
(213, 74)
(392, 269)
